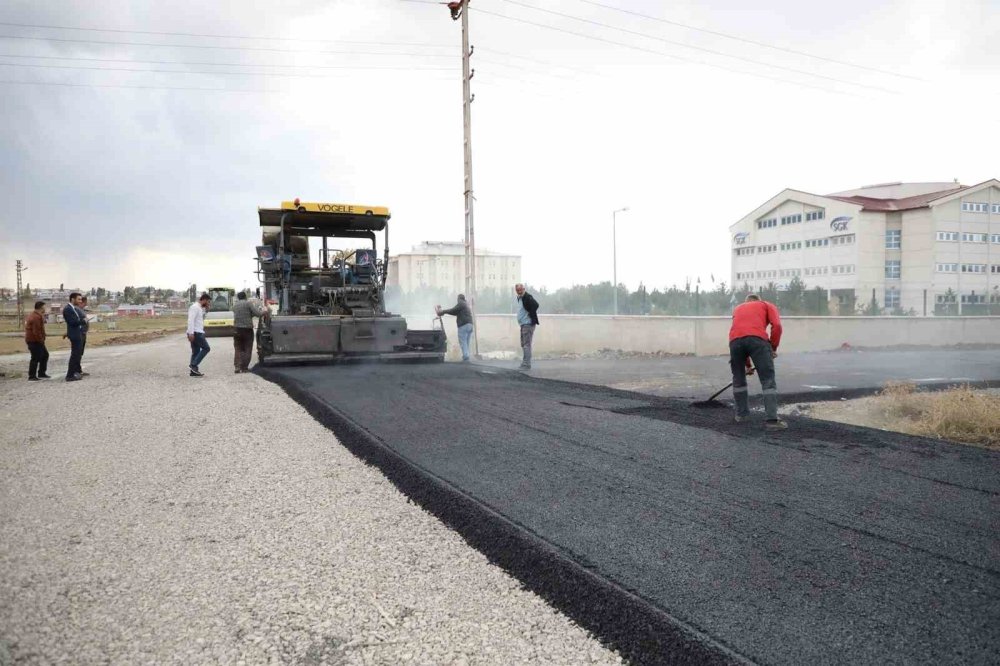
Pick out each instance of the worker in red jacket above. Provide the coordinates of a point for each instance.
(749, 340)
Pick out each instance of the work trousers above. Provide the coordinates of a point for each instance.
(759, 351)
(75, 354)
(527, 335)
(242, 348)
(464, 335)
(39, 362)
(199, 349)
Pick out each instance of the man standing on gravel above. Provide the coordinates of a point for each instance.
(84, 329)
(749, 340)
(463, 320)
(196, 333)
(243, 313)
(527, 317)
(74, 331)
(34, 336)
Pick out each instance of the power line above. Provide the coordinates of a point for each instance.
(751, 41)
(226, 64)
(667, 55)
(111, 85)
(694, 48)
(223, 48)
(194, 34)
(180, 71)
(280, 39)
(543, 62)
(144, 87)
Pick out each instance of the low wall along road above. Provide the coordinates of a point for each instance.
(707, 336)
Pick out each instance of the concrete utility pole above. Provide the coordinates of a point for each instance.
(614, 253)
(20, 287)
(460, 10)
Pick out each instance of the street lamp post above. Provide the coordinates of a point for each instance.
(614, 252)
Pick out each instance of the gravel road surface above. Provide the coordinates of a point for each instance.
(823, 544)
(148, 517)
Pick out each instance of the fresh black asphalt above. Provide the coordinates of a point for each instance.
(677, 536)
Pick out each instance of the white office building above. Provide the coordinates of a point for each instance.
(923, 247)
(441, 265)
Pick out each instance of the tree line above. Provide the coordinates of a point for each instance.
(689, 301)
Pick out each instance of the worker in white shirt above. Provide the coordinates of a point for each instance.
(196, 333)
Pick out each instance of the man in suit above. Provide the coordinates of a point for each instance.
(527, 317)
(74, 331)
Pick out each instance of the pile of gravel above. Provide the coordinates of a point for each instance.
(151, 517)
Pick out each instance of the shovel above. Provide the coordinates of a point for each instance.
(712, 402)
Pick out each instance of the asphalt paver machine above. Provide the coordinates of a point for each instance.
(332, 309)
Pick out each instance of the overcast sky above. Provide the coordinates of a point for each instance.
(118, 177)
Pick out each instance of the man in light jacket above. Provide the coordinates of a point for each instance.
(527, 318)
(196, 334)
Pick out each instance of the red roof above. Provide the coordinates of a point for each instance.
(906, 203)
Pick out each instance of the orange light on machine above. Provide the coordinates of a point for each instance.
(296, 202)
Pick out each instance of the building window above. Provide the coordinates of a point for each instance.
(815, 215)
(892, 269)
(764, 249)
(973, 299)
(818, 242)
(842, 270)
(947, 235)
(974, 238)
(995, 238)
(744, 251)
(791, 219)
(770, 222)
(797, 245)
(947, 268)
(973, 268)
(995, 269)
(971, 207)
(996, 208)
(892, 299)
(847, 239)
(944, 299)
(893, 239)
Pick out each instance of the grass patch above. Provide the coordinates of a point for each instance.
(128, 330)
(960, 413)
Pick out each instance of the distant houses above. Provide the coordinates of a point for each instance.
(145, 310)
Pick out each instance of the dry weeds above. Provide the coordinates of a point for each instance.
(958, 414)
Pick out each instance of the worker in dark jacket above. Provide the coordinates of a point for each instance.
(527, 318)
(74, 331)
(463, 320)
(749, 340)
(34, 336)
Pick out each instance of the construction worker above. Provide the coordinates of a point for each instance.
(243, 313)
(463, 320)
(749, 340)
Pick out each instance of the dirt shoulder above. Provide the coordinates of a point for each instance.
(960, 414)
(126, 332)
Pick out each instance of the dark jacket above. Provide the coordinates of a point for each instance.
(34, 328)
(462, 313)
(531, 306)
(74, 323)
